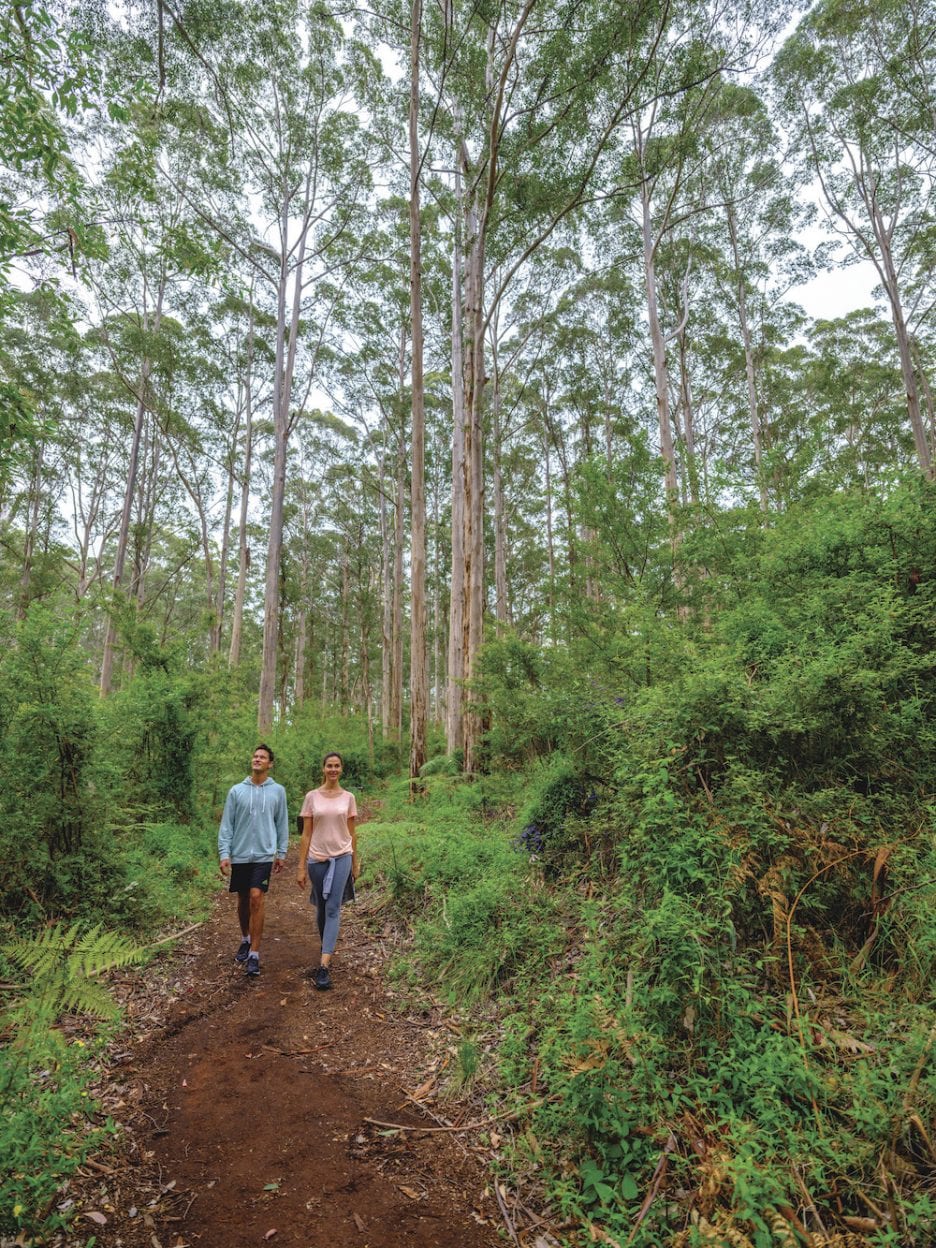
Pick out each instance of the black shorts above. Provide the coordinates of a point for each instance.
(248, 875)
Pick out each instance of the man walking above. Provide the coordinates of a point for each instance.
(252, 843)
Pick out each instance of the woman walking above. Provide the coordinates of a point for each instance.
(328, 856)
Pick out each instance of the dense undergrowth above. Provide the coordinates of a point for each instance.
(702, 903)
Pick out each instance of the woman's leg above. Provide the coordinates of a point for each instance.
(333, 907)
(317, 872)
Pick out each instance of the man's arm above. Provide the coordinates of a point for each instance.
(282, 833)
(226, 833)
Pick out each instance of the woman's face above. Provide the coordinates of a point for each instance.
(331, 768)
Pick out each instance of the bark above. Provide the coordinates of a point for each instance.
(472, 588)
(501, 602)
(550, 545)
(454, 728)
(892, 287)
(300, 665)
(344, 638)
(243, 563)
(688, 419)
(436, 617)
(218, 620)
(396, 626)
(418, 673)
(287, 333)
(386, 613)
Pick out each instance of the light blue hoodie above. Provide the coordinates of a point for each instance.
(254, 826)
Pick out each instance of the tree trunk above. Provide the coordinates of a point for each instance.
(473, 587)
(286, 341)
(123, 535)
(386, 613)
(550, 545)
(345, 632)
(501, 604)
(237, 618)
(418, 673)
(396, 627)
(454, 728)
(892, 287)
(218, 620)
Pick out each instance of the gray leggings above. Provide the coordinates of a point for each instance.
(328, 910)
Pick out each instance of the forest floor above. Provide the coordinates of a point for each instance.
(262, 1111)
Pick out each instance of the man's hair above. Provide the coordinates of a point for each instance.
(263, 746)
(332, 754)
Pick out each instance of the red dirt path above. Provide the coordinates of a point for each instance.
(254, 1098)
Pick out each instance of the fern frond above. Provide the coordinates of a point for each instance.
(98, 951)
(62, 964)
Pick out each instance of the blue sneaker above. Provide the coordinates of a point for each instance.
(322, 979)
(253, 965)
(243, 951)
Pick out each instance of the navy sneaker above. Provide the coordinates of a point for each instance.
(322, 979)
(253, 965)
(243, 951)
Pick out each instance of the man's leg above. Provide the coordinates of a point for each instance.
(256, 901)
(243, 913)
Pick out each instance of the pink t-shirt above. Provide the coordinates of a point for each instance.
(330, 814)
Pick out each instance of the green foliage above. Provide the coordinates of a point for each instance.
(54, 849)
(49, 1125)
(740, 980)
(443, 765)
(150, 731)
(171, 873)
(477, 910)
(554, 821)
(61, 965)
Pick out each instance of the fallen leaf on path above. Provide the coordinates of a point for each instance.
(271, 1232)
(409, 1191)
(284, 1001)
(96, 1217)
(601, 1236)
(358, 1220)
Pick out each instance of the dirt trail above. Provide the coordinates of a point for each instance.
(254, 1100)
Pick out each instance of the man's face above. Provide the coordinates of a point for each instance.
(260, 761)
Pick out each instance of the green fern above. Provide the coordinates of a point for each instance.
(62, 964)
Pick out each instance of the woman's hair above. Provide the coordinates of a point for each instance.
(332, 754)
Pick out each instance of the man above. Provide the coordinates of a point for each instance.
(252, 843)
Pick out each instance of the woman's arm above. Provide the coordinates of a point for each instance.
(355, 863)
(301, 873)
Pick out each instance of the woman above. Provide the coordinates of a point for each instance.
(328, 856)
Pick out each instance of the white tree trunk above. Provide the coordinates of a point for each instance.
(418, 673)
